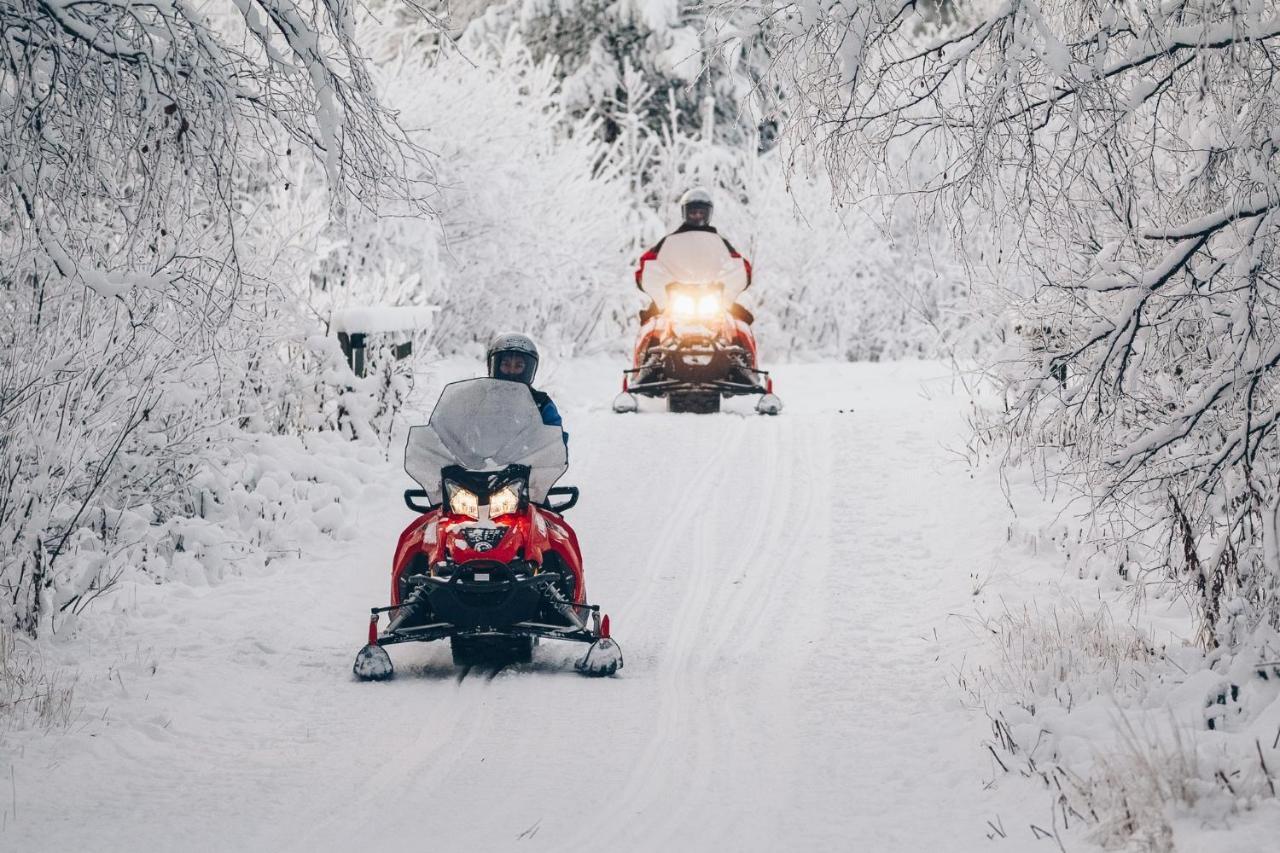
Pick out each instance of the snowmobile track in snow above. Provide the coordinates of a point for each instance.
(769, 579)
(723, 587)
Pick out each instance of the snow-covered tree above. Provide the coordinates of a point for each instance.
(601, 45)
(1125, 158)
(546, 242)
(140, 314)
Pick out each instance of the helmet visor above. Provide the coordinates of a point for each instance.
(697, 213)
(513, 366)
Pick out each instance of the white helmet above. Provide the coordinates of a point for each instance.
(696, 207)
(512, 343)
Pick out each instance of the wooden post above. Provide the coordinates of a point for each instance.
(353, 348)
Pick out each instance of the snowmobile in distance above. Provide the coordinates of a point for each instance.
(695, 344)
(491, 564)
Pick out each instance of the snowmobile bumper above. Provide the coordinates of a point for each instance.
(665, 385)
(696, 367)
(485, 597)
(476, 610)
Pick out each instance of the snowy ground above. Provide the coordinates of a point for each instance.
(793, 596)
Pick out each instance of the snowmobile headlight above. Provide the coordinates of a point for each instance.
(683, 305)
(708, 305)
(504, 501)
(463, 501)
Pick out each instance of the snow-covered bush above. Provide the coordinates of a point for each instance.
(142, 331)
(856, 282)
(530, 232)
(545, 241)
(697, 74)
(1145, 746)
(1125, 160)
(1141, 739)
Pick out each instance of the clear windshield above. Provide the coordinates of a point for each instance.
(693, 258)
(486, 425)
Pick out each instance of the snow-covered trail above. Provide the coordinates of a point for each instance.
(791, 595)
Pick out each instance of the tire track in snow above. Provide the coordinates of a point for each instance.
(435, 749)
(766, 524)
(720, 620)
(687, 502)
(732, 593)
(645, 779)
(748, 594)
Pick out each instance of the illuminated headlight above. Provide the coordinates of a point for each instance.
(683, 305)
(504, 501)
(463, 501)
(708, 305)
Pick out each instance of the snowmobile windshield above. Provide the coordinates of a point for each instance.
(486, 425)
(693, 259)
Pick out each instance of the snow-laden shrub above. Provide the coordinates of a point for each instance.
(142, 335)
(1146, 745)
(1068, 655)
(532, 218)
(856, 282)
(697, 73)
(530, 233)
(123, 449)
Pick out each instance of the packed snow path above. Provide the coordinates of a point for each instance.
(792, 596)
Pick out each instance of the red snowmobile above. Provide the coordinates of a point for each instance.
(491, 565)
(696, 343)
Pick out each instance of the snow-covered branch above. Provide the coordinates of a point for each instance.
(1121, 166)
(143, 325)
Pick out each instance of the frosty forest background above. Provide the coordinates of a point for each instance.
(1071, 204)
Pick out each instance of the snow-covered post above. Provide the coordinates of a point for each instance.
(355, 326)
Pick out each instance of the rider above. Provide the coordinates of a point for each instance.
(696, 208)
(514, 357)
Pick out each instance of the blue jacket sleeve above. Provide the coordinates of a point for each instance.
(551, 417)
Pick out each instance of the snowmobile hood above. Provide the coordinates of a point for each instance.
(486, 425)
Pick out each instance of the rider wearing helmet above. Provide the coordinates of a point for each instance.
(696, 208)
(514, 357)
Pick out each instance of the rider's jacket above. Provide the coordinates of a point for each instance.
(550, 414)
(651, 256)
(547, 408)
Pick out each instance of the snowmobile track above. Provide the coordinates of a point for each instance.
(723, 591)
(769, 579)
